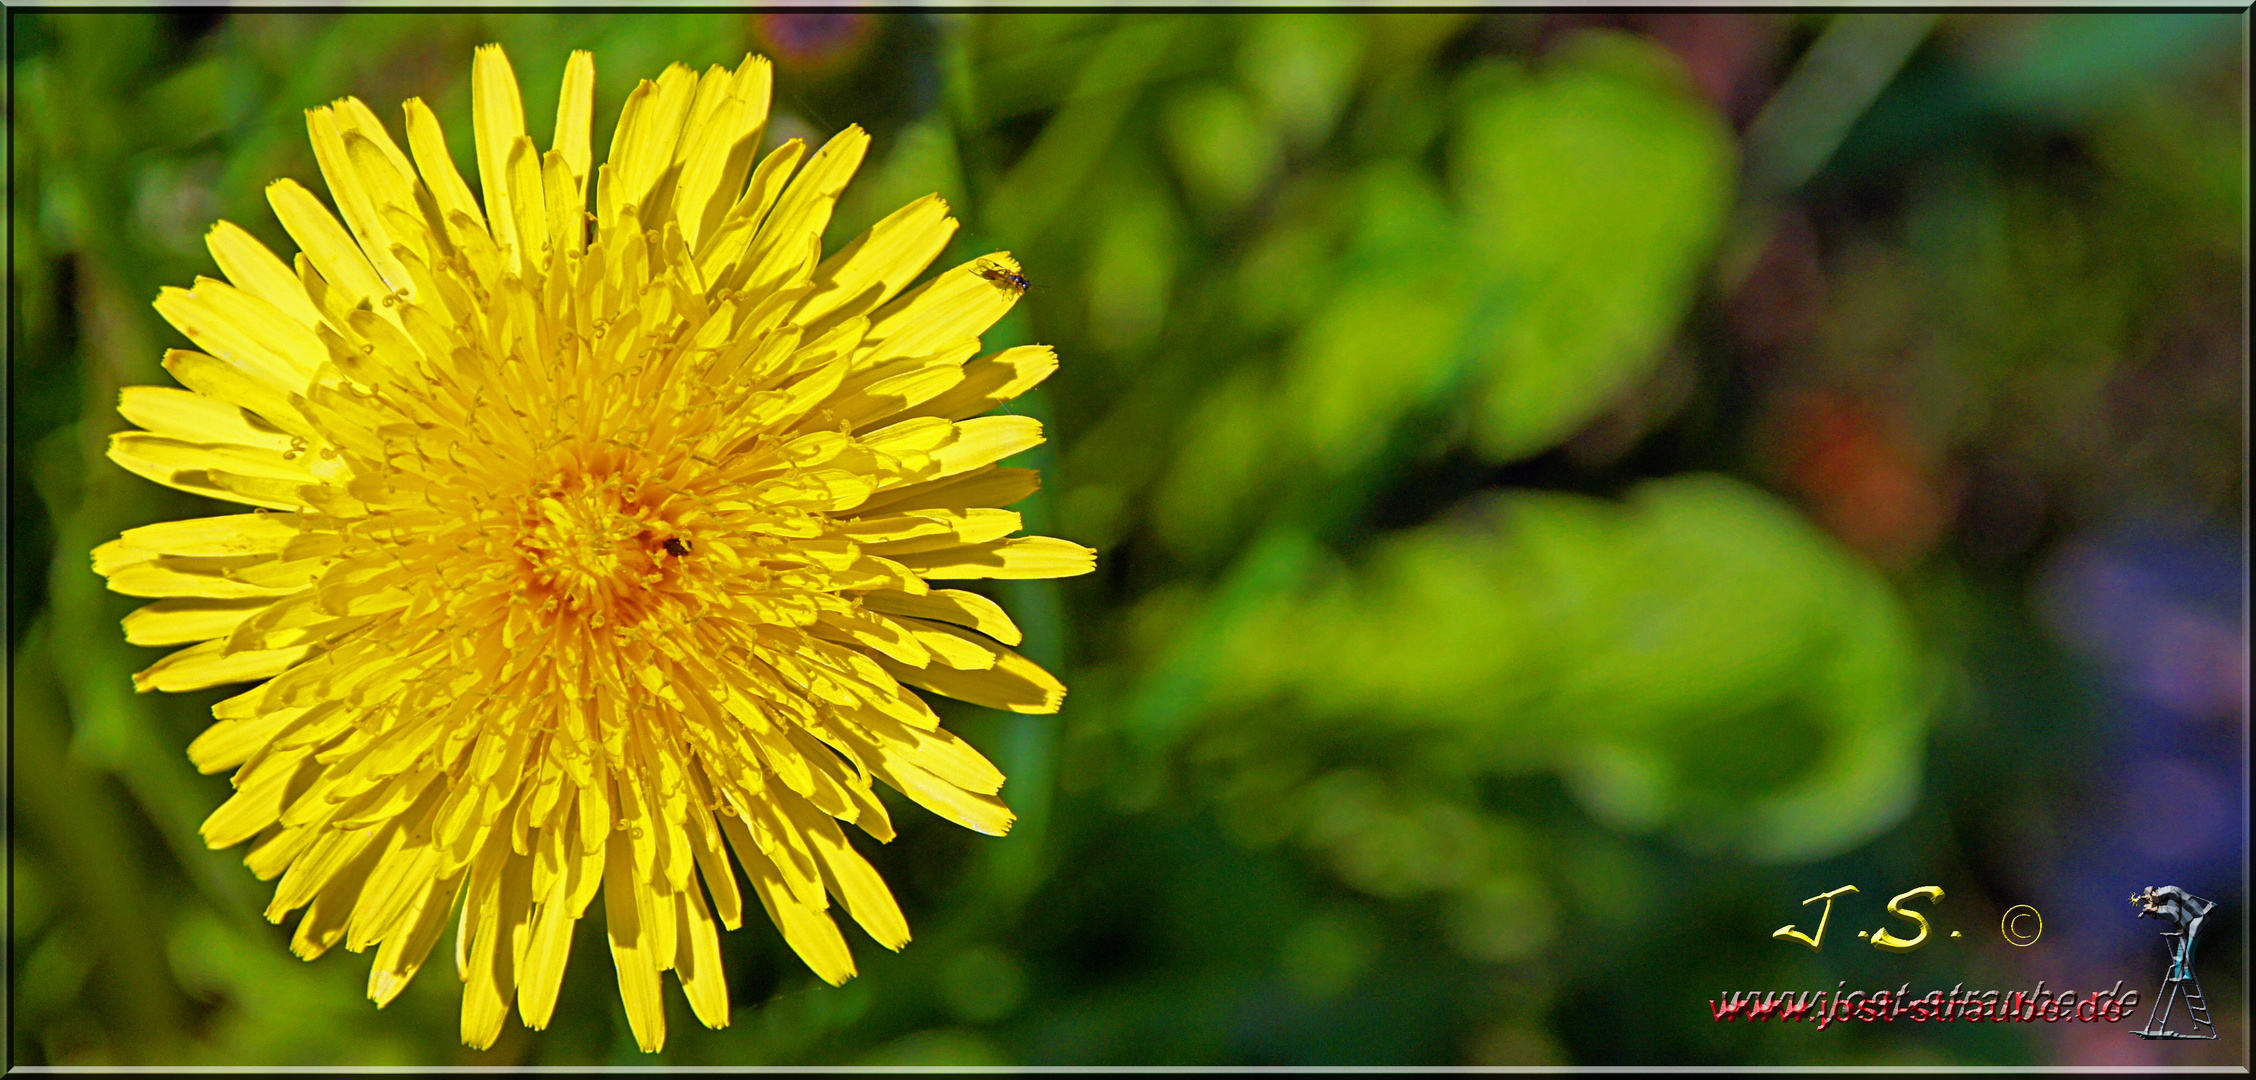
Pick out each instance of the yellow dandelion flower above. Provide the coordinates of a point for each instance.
(587, 549)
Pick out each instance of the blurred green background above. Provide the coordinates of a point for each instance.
(1569, 488)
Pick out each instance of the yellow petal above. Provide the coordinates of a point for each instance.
(178, 622)
(948, 605)
(529, 202)
(350, 189)
(158, 458)
(850, 876)
(972, 525)
(788, 243)
(989, 382)
(946, 644)
(258, 271)
(1014, 683)
(231, 742)
(1019, 557)
(972, 810)
(960, 303)
(551, 945)
(235, 534)
(934, 750)
(187, 576)
(353, 117)
(503, 912)
(260, 791)
(195, 418)
(137, 449)
(808, 930)
(697, 959)
(199, 666)
(428, 142)
(272, 492)
(642, 148)
(987, 440)
(216, 378)
(879, 263)
(717, 155)
(323, 924)
(632, 946)
(404, 950)
(880, 396)
(497, 118)
(391, 191)
(575, 116)
(567, 227)
(245, 331)
(325, 243)
(700, 153)
(723, 246)
(979, 487)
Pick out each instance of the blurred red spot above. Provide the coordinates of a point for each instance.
(1860, 475)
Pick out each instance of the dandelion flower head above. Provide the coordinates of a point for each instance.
(589, 553)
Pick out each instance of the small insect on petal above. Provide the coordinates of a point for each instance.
(676, 546)
(1007, 278)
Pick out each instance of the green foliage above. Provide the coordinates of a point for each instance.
(1700, 659)
(1593, 192)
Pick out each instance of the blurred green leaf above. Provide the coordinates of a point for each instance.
(1137, 249)
(200, 100)
(935, 1048)
(53, 971)
(1596, 190)
(1300, 69)
(983, 984)
(1328, 951)
(1383, 345)
(1222, 148)
(1700, 659)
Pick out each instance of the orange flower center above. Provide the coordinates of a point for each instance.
(597, 544)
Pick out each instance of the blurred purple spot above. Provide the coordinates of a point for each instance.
(814, 38)
(2139, 611)
(2194, 663)
(2180, 810)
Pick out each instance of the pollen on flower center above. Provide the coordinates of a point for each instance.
(597, 544)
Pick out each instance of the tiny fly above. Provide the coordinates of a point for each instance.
(1001, 275)
(676, 546)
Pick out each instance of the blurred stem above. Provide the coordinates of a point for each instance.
(114, 727)
(1076, 139)
(959, 77)
(1014, 211)
(1833, 85)
(1026, 747)
(1801, 126)
(72, 816)
(111, 726)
